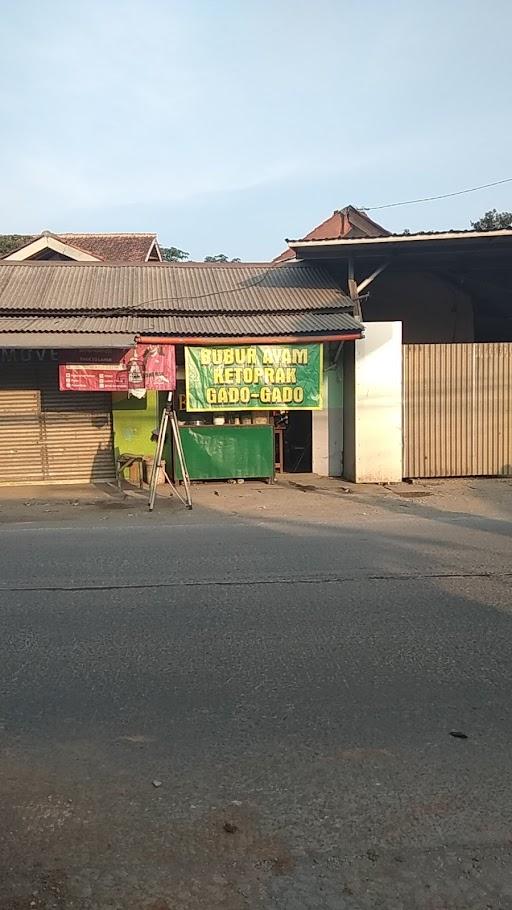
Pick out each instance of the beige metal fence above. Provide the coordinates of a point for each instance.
(457, 410)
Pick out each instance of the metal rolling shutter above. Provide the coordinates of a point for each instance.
(21, 444)
(47, 435)
(78, 435)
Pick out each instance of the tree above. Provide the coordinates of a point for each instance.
(493, 221)
(10, 242)
(220, 257)
(173, 254)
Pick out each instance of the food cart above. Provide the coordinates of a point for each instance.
(226, 409)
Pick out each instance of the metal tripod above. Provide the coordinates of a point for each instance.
(169, 415)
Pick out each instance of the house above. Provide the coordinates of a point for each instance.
(443, 286)
(348, 222)
(55, 313)
(438, 404)
(129, 247)
(449, 295)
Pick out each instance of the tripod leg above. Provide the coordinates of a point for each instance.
(181, 458)
(162, 432)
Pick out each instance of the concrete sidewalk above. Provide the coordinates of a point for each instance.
(292, 496)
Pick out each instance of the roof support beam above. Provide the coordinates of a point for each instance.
(364, 284)
(338, 353)
(353, 290)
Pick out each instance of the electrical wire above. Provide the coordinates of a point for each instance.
(123, 309)
(473, 189)
(237, 289)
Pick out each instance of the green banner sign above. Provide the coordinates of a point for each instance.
(265, 377)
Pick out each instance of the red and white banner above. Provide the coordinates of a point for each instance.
(145, 366)
(158, 366)
(76, 377)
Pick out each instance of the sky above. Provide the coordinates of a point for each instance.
(226, 125)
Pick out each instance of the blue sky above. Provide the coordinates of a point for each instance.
(226, 126)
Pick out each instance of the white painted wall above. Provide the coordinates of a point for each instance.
(373, 405)
(327, 455)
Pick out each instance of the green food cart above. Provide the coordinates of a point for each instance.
(227, 452)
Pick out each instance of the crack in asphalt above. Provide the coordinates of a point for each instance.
(250, 582)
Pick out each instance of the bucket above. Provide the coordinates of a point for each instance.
(148, 470)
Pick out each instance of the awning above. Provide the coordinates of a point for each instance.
(67, 340)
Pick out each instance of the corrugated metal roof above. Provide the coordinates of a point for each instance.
(170, 288)
(257, 324)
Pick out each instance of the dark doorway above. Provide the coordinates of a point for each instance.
(298, 447)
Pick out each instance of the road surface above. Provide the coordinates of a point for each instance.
(222, 712)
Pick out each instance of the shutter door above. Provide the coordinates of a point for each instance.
(47, 435)
(21, 444)
(78, 435)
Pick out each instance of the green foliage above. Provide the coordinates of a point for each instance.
(173, 254)
(220, 257)
(10, 242)
(493, 221)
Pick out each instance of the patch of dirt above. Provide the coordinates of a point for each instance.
(409, 494)
(64, 846)
(360, 754)
(48, 891)
(113, 505)
(304, 487)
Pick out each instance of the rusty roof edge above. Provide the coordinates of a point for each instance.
(400, 238)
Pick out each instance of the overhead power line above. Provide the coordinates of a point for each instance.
(473, 189)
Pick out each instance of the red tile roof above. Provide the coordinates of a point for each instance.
(347, 222)
(112, 247)
(115, 247)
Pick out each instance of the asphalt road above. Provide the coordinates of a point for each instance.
(291, 684)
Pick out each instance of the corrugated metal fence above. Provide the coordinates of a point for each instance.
(457, 410)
